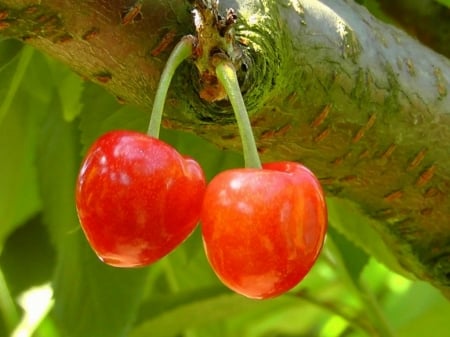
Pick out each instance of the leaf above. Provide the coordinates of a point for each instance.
(19, 197)
(91, 299)
(101, 113)
(187, 260)
(9, 49)
(427, 312)
(212, 159)
(275, 315)
(70, 88)
(419, 308)
(161, 302)
(28, 257)
(8, 94)
(3, 329)
(435, 320)
(346, 217)
(46, 328)
(354, 258)
(201, 312)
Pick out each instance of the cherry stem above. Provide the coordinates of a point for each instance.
(181, 52)
(226, 73)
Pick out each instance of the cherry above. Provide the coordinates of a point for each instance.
(137, 198)
(263, 226)
(263, 229)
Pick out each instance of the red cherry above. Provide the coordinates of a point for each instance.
(137, 198)
(263, 229)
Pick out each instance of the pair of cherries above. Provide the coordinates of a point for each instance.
(137, 199)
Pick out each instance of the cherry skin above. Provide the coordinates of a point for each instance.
(137, 198)
(263, 229)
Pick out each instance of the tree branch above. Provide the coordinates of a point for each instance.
(362, 104)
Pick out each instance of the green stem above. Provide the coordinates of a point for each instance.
(181, 52)
(226, 74)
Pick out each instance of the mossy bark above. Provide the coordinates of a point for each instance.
(361, 103)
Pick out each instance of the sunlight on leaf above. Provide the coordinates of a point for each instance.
(36, 303)
(334, 327)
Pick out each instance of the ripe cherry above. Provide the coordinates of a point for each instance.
(263, 229)
(137, 198)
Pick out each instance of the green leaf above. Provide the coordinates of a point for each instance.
(201, 312)
(417, 310)
(260, 317)
(20, 122)
(70, 88)
(9, 49)
(187, 260)
(161, 302)
(12, 84)
(101, 113)
(421, 311)
(19, 197)
(28, 257)
(3, 329)
(347, 218)
(46, 328)
(354, 258)
(433, 322)
(212, 159)
(91, 299)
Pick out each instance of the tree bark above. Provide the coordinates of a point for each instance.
(362, 104)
